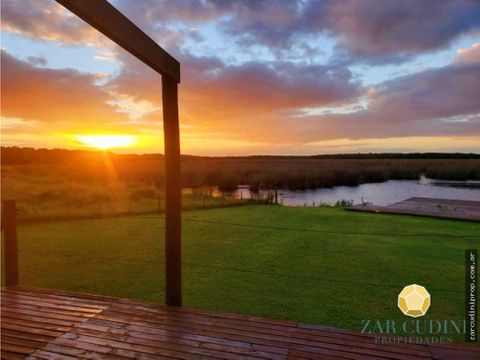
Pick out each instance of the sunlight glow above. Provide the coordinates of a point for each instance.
(107, 141)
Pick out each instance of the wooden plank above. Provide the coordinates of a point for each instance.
(203, 332)
(72, 315)
(82, 349)
(17, 348)
(173, 334)
(46, 315)
(244, 353)
(173, 231)
(158, 349)
(230, 320)
(28, 336)
(75, 297)
(296, 354)
(109, 21)
(285, 325)
(79, 347)
(221, 325)
(460, 347)
(35, 324)
(192, 339)
(57, 301)
(24, 300)
(52, 351)
(452, 353)
(9, 224)
(42, 354)
(182, 343)
(29, 330)
(342, 353)
(34, 344)
(7, 355)
(278, 340)
(352, 352)
(36, 318)
(57, 292)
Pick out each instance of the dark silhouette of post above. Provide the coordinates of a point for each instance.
(173, 250)
(9, 225)
(109, 21)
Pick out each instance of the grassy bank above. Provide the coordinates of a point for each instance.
(293, 173)
(41, 193)
(315, 265)
(50, 183)
(311, 173)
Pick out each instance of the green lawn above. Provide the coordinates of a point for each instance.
(346, 267)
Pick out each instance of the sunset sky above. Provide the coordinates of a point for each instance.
(258, 77)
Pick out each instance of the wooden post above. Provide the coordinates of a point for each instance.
(173, 246)
(104, 17)
(10, 237)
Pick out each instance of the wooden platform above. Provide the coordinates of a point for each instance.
(44, 324)
(436, 208)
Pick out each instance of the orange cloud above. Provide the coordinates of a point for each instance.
(53, 96)
(470, 55)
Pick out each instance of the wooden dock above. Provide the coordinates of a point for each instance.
(435, 208)
(46, 324)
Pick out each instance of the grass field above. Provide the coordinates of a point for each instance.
(315, 265)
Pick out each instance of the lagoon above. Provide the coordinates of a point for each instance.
(381, 194)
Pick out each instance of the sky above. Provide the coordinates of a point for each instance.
(258, 77)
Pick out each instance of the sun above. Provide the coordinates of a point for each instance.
(107, 141)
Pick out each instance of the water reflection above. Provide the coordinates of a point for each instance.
(376, 193)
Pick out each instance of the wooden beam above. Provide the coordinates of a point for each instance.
(9, 225)
(173, 246)
(109, 21)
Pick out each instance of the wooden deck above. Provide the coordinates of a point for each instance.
(45, 324)
(435, 208)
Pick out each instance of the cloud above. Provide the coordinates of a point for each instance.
(272, 23)
(135, 79)
(47, 20)
(439, 93)
(469, 55)
(219, 97)
(368, 31)
(256, 86)
(53, 95)
(439, 102)
(37, 60)
(391, 30)
(151, 12)
(240, 102)
(252, 103)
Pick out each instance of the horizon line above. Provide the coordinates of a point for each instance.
(249, 155)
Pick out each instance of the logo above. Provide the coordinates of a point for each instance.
(414, 300)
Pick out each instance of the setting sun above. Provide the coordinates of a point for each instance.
(107, 141)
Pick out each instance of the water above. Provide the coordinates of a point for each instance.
(377, 193)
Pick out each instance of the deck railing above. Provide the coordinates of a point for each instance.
(9, 227)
